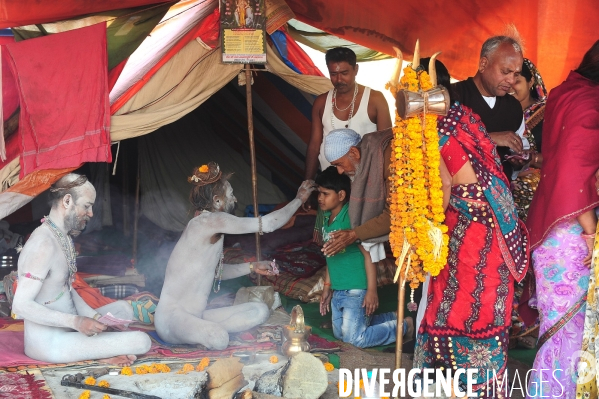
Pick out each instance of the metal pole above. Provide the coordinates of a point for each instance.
(248, 95)
(136, 209)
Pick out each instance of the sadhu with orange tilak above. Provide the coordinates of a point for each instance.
(467, 317)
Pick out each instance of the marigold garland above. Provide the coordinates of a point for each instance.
(417, 238)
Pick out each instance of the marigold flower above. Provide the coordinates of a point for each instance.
(104, 384)
(106, 397)
(274, 359)
(126, 371)
(90, 381)
(186, 368)
(205, 362)
(329, 366)
(143, 369)
(85, 395)
(204, 169)
(161, 368)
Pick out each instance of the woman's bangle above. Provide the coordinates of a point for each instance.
(97, 316)
(587, 236)
(251, 267)
(325, 284)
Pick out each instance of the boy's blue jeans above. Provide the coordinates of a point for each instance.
(350, 323)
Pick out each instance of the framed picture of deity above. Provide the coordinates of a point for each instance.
(243, 30)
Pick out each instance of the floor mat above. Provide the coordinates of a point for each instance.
(23, 385)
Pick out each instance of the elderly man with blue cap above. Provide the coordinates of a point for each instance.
(366, 161)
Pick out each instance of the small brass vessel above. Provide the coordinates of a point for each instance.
(296, 334)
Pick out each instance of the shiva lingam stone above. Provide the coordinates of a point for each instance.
(296, 334)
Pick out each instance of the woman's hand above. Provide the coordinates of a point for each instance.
(590, 241)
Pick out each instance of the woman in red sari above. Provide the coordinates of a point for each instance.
(467, 318)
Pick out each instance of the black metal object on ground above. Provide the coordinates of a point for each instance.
(66, 381)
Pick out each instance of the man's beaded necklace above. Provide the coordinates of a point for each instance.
(68, 249)
(334, 105)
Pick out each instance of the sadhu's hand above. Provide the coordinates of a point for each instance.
(88, 326)
(263, 267)
(338, 241)
(304, 191)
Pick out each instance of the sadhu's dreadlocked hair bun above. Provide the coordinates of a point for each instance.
(66, 185)
(208, 181)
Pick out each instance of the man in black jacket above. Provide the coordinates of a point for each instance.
(499, 65)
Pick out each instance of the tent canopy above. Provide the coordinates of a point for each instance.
(177, 66)
(556, 33)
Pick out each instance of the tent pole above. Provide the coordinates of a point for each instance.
(401, 297)
(136, 209)
(248, 95)
(125, 196)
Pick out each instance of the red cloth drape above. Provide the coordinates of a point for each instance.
(27, 12)
(63, 92)
(556, 33)
(91, 296)
(571, 158)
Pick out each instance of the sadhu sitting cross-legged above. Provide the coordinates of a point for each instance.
(196, 265)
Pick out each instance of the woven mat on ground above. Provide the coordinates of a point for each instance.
(24, 385)
(12, 350)
(242, 342)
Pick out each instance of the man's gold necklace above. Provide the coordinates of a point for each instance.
(351, 112)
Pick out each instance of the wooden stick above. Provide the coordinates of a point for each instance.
(401, 295)
(248, 95)
(125, 197)
(136, 209)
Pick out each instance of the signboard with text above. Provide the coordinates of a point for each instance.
(243, 34)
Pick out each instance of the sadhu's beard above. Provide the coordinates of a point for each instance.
(355, 164)
(75, 224)
(230, 207)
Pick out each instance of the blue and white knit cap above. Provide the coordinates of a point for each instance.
(338, 142)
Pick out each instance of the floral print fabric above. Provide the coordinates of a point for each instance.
(562, 280)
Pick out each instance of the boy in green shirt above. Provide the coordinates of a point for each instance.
(351, 275)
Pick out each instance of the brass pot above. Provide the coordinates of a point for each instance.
(296, 334)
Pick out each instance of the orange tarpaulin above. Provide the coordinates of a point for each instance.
(557, 33)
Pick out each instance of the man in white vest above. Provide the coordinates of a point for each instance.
(348, 105)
